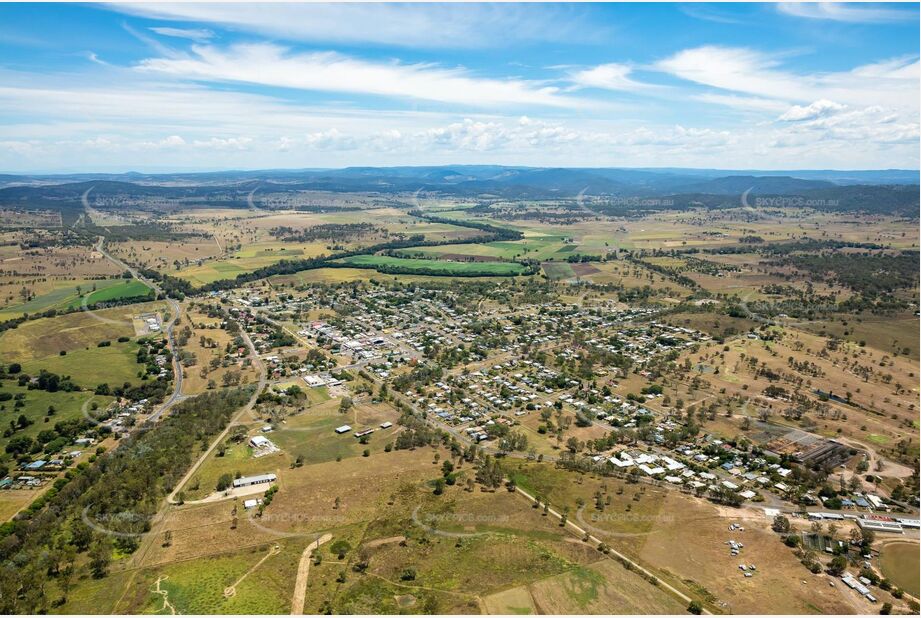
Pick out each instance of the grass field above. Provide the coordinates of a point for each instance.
(899, 563)
(66, 297)
(885, 333)
(311, 434)
(248, 259)
(436, 266)
(197, 586)
(604, 587)
(66, 406)
(114, 365)
(37, 344)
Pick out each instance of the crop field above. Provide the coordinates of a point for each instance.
(558, 270)
(535, 246)
(248, 259)
(65, 295)
(427, 266)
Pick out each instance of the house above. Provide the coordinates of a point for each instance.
(386, 425)
(247, 481)
(343, 429)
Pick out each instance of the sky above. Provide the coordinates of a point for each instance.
(182, 87)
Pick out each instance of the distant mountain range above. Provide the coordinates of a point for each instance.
(897, 189)
(549, 178)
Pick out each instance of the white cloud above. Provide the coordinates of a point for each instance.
(271, 65)
(130, 121)
(892, 83)
(224, 143)
(193, 34)
(819, 109)
(846, 12)
(429, 25)
(331, 139)
(612, 76)
(169, 142)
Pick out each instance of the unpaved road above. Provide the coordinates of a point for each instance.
(303, 570)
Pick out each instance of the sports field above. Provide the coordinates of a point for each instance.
(899, 563)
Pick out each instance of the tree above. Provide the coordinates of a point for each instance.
(573, 444)
(886, 609)
(224, 481)
(781, 524)
(695, 607)
(837, 565)
(100, 556)
(345, 405)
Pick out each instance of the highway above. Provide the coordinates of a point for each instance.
(168, 329)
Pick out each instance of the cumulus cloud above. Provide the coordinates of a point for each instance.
(819, 109)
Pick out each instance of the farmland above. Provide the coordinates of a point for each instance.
(388, 264)
(77, 294)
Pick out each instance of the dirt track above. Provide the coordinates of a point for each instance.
(303, 570)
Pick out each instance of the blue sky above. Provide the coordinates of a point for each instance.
(162, 87)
